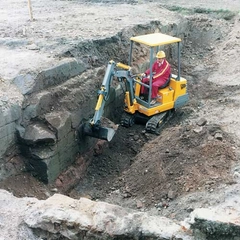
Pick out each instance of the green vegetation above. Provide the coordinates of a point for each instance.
(219, 14)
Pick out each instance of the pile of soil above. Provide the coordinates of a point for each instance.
(181, 160)
(142, 171)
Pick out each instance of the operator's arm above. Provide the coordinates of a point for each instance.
(147, 72)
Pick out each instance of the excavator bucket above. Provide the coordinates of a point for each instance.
(98, 132)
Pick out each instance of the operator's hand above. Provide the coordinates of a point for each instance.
(143, 75)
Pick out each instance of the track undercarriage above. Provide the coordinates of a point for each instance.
(153, 124)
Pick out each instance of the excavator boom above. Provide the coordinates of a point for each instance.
(93, 127)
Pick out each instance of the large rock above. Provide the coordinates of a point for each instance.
(49, 147)
(61, 217)
(221, 224)
(12, 211)
(38, 80)
(67, 218)
(38, 133)
(8, 121)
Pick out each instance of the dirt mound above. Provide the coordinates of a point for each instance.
(25, 185)
(181, 160)
(142, 171)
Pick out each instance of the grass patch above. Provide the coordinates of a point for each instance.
(218, 14)
(180, 9)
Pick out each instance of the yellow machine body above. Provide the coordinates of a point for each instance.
(165, 101)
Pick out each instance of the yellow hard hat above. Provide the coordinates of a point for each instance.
(161, 54)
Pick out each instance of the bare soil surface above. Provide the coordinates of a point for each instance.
(194, 159)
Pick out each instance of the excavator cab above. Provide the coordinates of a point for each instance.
(172, 96)
(136, 108)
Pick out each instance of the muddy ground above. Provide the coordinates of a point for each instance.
(194, 158)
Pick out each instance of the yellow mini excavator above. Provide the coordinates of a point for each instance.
(137, 108)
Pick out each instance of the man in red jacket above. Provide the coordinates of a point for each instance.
(161, 70)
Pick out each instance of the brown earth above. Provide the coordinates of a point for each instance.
(193, 154)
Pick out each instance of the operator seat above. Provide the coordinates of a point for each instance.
(166, 83)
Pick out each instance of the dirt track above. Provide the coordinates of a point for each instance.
(196, 162)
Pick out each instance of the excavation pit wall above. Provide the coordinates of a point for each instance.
(52, 103)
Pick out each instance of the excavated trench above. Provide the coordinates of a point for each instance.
(118, 170)
(168, 175)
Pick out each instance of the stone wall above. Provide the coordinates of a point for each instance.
(10, 116)
(8, 119)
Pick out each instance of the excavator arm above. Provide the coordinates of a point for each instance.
(93, 128)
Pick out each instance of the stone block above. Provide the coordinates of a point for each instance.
(52, 158)
(38, 169)
(10, 114)
(25, 82)
(38, 133)
(41, 152)
(52, 168)
(6, 142)
(67, 150)
(57, 74)
(8, 129)
(38, 105)
(61, 123)
(36, 81)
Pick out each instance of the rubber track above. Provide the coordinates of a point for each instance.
(157, 122)
(126, 119)
(153, 122)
